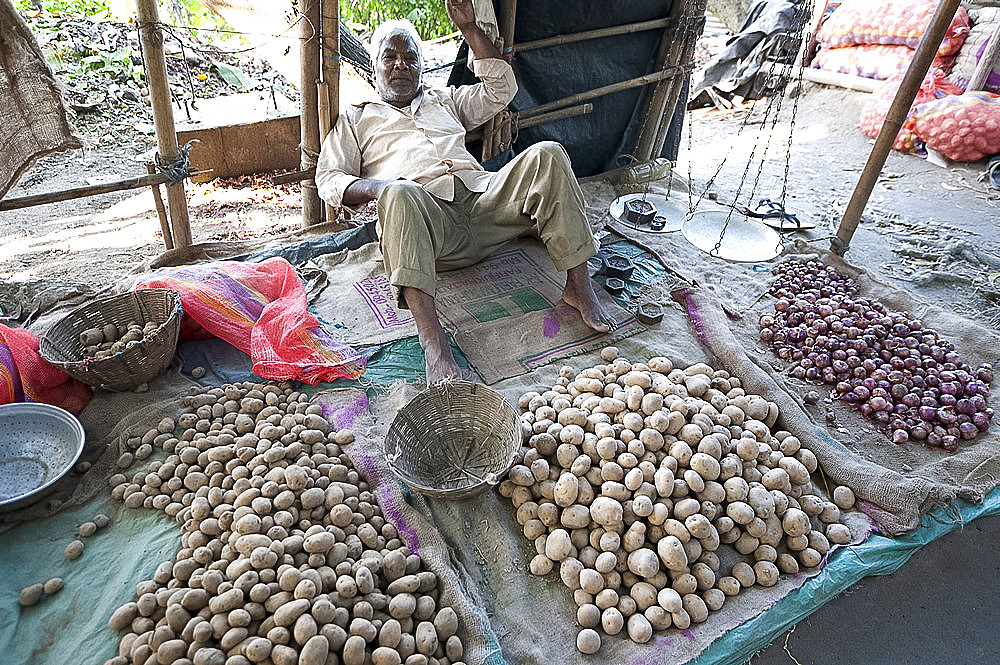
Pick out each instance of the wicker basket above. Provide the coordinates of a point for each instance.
(135, 365)
(454, 440)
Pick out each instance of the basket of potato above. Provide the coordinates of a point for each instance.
(118, 342)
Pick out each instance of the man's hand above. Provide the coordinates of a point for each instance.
(461, 13)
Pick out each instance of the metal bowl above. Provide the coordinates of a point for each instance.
(39, 444)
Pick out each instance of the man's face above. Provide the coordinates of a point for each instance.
(397, 73)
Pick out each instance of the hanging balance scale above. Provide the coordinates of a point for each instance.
(739, 234)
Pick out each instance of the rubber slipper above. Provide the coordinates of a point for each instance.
(775, 216)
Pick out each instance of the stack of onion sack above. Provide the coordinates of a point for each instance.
(900, 374)
(286, 557)
(636, 473)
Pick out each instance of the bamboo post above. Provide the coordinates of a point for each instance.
(329, 93)
(163, 115)
(161, 212)
(494, 128)
(309, 114)
(692, 16)
(894, 119)
(654, 109)
(985, 65)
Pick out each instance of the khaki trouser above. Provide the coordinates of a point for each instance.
(534, 194)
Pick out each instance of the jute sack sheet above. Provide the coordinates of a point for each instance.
(900, 482)
(32, 115)
(505, 312)
(478, 549)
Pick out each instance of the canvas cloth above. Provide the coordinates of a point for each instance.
(32, 114)
(504, 312)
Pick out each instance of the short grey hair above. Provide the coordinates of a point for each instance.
(391, 28)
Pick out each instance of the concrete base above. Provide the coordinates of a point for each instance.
(242, 134)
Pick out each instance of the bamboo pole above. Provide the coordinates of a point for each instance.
(163, 115)
(552, 116)
(161, 212)
(654, 109)
(329, 94)
(493, 130)
(559, 40)
(894, 119)
(309, 116)
(89, 190)
(600, 92)
(522, 123)
(985, 65)
(693, 14)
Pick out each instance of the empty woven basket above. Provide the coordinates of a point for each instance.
(453, 440)
(139, 363)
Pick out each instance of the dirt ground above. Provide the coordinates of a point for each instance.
(928, 228)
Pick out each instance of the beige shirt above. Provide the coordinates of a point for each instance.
(424, 142)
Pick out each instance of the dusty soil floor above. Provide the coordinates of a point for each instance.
(927, 228)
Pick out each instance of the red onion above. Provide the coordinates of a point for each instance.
(899, 373)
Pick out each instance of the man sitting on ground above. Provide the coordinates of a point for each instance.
(438, 209)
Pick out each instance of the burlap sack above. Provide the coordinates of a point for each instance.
(505, 312)
(477, 546)
(32, 114)
(901, 482)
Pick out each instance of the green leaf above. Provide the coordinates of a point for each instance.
(231, 75)
(994, 277)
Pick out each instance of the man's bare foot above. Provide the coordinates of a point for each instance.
(439, 362)
(579, 294)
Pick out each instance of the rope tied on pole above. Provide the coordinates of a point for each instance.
(180, 168)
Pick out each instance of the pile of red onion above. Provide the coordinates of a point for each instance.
(900, 374)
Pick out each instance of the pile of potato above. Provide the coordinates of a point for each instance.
(101, 343)
(633, 476)
(286, 557)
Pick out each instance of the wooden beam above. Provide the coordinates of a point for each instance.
(309, 68)
(599, 92)
(692, 15)
(161, 211)
(848, 81)
(81, 192)
(151, 38)
(654, 108)
(559, 40)
(894, 119)
(329, 91)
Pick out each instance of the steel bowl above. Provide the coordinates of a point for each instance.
(39, 444)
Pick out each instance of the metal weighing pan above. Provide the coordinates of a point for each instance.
(745, 240)
(39, 444)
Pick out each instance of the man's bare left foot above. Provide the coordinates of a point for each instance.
(579, 294)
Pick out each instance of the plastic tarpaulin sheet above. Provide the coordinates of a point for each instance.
(596, 141)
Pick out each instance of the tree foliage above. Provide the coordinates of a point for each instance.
(429, 16)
